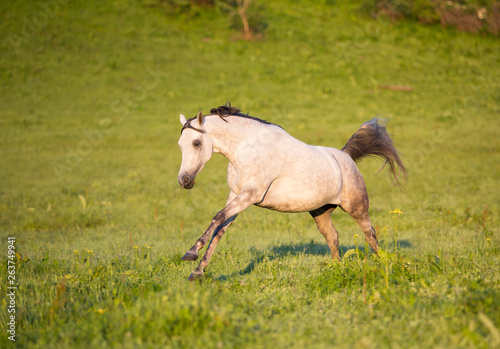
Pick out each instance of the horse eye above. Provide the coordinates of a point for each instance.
(197, 143)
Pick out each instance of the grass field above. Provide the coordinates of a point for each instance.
(90, 96)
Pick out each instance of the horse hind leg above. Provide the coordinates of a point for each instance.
(323, 218)
(355, 202)
(369, 231)
(362, 217)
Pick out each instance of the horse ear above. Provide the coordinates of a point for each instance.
(201, 118)
(183, 120)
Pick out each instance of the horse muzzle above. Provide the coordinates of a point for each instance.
(186, 181)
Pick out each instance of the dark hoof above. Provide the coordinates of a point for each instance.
(196, 276)
(190, 256)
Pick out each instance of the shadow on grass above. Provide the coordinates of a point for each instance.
(287, 250)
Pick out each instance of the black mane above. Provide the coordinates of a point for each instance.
(228, 110)
(223, 112)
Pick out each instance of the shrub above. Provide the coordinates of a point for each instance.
(465, 15)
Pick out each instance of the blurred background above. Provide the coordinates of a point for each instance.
(91, 93)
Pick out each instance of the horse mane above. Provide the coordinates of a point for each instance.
(227, 110)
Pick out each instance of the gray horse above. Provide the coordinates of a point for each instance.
(271, 169)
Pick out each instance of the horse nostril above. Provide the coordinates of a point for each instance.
(185, 179)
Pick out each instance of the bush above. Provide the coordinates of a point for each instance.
(244, 15)
(465, 15)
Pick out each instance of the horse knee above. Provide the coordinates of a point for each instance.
(219, 218)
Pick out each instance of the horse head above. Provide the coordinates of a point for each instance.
(196, 147)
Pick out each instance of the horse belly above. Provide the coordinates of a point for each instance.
(304, 192)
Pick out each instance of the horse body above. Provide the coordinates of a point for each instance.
(271, 169)
(295, 188)
(270, 156)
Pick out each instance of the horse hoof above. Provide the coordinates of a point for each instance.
(190, 256)
(195, 276)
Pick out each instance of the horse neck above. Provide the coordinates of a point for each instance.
(227, 136)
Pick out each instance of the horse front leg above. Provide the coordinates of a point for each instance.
(192, 254)
(220, 223)
(219, 231)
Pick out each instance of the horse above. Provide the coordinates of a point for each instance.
(271, 169)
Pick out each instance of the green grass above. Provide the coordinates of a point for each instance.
(101, 224)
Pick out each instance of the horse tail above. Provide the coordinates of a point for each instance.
(372, 139)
